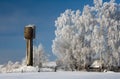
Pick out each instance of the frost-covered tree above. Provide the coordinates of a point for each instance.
(39, 55)
(10, 67)
(94, 34)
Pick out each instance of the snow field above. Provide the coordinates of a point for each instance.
(61, 75)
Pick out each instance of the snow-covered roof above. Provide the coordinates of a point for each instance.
(96, 64)
(30, 25)
(49, 64)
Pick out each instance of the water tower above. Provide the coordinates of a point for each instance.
(29, 34)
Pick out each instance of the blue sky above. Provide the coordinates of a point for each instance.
(15, 14)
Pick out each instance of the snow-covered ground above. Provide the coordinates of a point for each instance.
(61, 75)
(17, 71)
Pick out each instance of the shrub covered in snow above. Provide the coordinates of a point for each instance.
(19, 67)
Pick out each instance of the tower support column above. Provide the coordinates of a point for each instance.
(29, 52)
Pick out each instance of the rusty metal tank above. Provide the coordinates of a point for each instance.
(28, 33)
